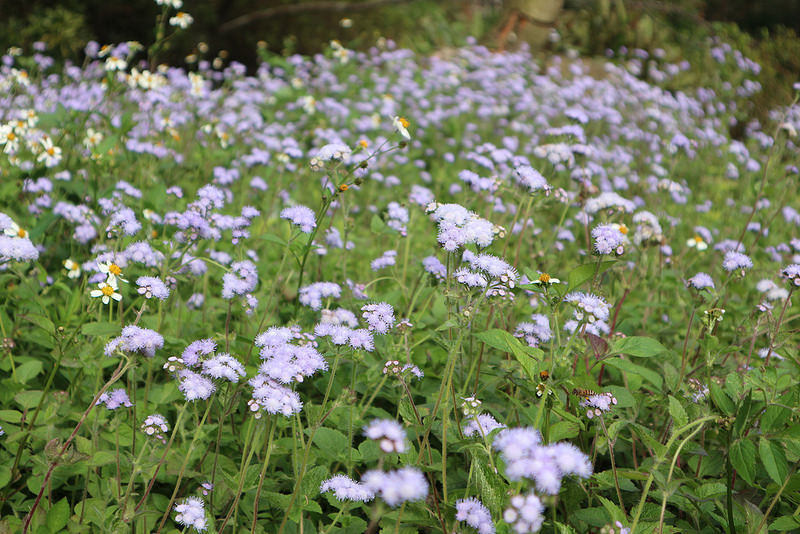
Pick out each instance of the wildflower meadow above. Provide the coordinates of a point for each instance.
(375, 291)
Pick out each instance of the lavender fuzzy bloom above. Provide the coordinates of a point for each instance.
(224, 366)
(598, 404)
(136, 339)
(470, 278)
(124, 219)
(701, 281)
(588, 306)
(313, 294)
(115, 399)
(195, 301)
(150, 286)
(475, 514)
(379, 316)
(480, 425)
(17, 249)
(432, 265)
(242, 279)
(300, 216)
(194, 385)
(525, 514)
(289, 363)
(271, 397)
(361, 339)
(528, 177)
(191, 513)
(406, 484)
(792, 273)
(736, 260)
(386, 260)
(388, 433)
(155, 425)
(608, 239)
(535, 332)
(346, 489)
(201, 347)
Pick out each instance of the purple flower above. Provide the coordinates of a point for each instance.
(432, 265)
(608, 239)
(115, 399)
(480, 425)
(271, 397)
(136, 339)
(535, 332)
(388, 433)
(191, 513)
(792, 273)
(300, 216)
(242, 279)
(346, 489)
(150, 286)
(313, 294)
(194, 385)
(224, 366)
(598, 404)
(379, 316)
(386, 260)
(525, 513)
(201, 347)
(701, 281)
(736, 260)
(406, 484)
(475, 514)
(155, 425)
(588, 306)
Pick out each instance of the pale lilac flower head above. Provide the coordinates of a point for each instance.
(608, 239)
(525, 514)
(313, 294)
(701, 281)
(191, 513)
(389, 434)
(155, 425)
(406, 484)
(480, 425)
(192, 353)
(115, 399)
(379, 316)
(194, 385)
(223, 366)
(735, 261)
(598, 404)
(792, 274)
(535, 332)
(136, 339)
(271, 397)
(588, 306)
(300, 216)
(346, 489)
(475, 514)
(150, 286)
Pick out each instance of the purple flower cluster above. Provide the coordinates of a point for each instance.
(526, 457)
(313, 294)
(480, 425)
(472, 512)
(389, 434)
(379, 317)
(535, 332)
(736, 261)
(300, 216)
(387, 259)
(136, 339)
(608, 239)
(150, 286)
(115, 399)
(242, 279)
(701, 281)
(458, 227)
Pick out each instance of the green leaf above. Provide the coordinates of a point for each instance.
(639, 346)
(677, 412)
(743, 459)
(490, 486)
(785, 524)
(58, 515)
(563, 430)
(742, 414)
(630, 367)
(28, 399)
(331, 442)
(42, 322)
(272, 238)
(28, 370)
(774, 418)
(721, 399)
(100, 329)
(504, 341)
(774, 460)
(10, 416)
(583, 273)
(378, 226)
(5, 475)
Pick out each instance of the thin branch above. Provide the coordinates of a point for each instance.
(291, 9)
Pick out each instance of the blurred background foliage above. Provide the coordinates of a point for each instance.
(765, 31)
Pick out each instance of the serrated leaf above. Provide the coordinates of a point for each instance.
(785, 524)
(583, 273)
(677, 412)
(58, 515)
(774, 418)
(504, 341)
(639, 346)
(743, 459)
(490, 487)
(331, 442)
(563, 430)
(630, 367)
(721, 399)
(10, 416)
(28, 399)
(774, 460)
(42, 322)
(742, 414)
(612, 509)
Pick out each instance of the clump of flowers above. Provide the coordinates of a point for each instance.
(792, 274)
(458, 227)
(472, 512)
(156, 426)
(191, 513)
(598, 404)
(609, 239)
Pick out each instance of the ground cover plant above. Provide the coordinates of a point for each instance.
(377, 292)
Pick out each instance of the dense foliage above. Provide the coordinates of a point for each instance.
(378, 291)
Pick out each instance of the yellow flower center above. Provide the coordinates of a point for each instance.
(107, 291)
(404, 123)
(698, 239)
(74, 267)
(11, 136)
(22, 233)
(623, 229)
(114, 269)
(544, 278)
(363, 143)
(51, 150)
